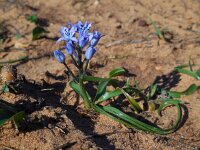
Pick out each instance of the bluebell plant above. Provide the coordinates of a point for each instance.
(80, 44)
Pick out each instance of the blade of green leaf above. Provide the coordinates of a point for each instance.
(190, 65)
(136, 123)
(116, 72)
(7, 116)
(76, 87)
(4, 117)
(37, 31)
(188, 72)
(153, 89)
(17, 118)
(190, 90)
(176, 103)
(109, 95)
(132, 101)
(198, 72)
(101, 89)
(102, 111)
(158, 31)
(114, 93)
(14, 60)
(33, 19)
(82, 92)
(95, 79)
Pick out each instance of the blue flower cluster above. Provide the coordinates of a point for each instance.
(77, 36)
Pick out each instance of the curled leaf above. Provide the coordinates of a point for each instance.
(116, 72)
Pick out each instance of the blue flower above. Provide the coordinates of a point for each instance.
(95, 38)
(83, 39)
(90, 52)
(59, 56)
(67, 34)
(69, 48)
(83, 27)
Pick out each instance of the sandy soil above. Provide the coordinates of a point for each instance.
(56, 120)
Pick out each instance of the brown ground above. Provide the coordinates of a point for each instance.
(53, 124)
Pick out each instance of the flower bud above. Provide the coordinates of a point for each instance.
(69, 48)
(90, 52)
(59, 56)
(95, 39)
(83, 40)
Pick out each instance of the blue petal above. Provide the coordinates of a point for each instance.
(60, 39)
(90, 52)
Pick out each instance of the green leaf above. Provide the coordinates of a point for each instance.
(37, 31)
(95, 79)
(4, 117)
(101, 89)
(135, 123)
(115, 93)
(5, 88)
(190, 90)
(190, 65)
(109, 95)
(198, 72)
(76, 87)
(188, 72)
(102, 111)
(128, 84)
(7, 116)
(116, 72)
(132, 101)
(14, 60)
(158, 31)
(113, 82)
(33, 19)
(176, 103)
(18, 117)
(82, 92)
(153, 89)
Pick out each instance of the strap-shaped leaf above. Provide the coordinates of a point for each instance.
(7, 116)
(153, 89)
(109, 95)
(158, 31)
(113, 82)
(18, 117)
(4, 117)
(82, 92)
(102, 111)
(141, 125)
(95, 79)
(132, 101)
(37, 31)
(116, 72)
(101, 89)
(115, 93)
(176, 103)
(188, 72)
(190, 90)
(76, 87)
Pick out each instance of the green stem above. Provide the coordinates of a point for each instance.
(74, 61)
(86, 65)
(80, 59)
(70, 72)
(85, 96)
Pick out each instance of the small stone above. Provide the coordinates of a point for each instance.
(142, 23)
